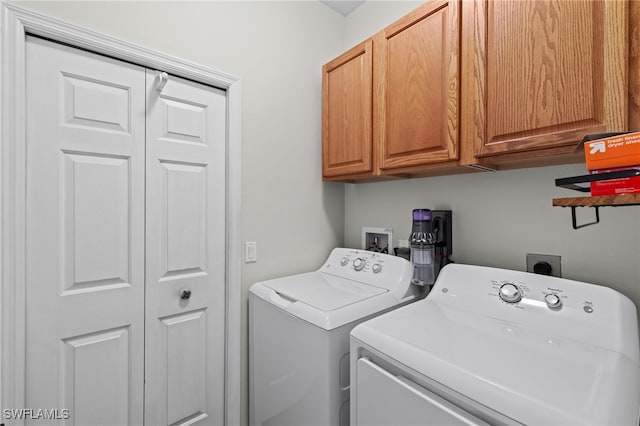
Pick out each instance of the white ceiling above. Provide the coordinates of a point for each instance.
(344, 7)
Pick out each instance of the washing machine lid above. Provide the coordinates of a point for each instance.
(523, 373)
(327, 301)
(323, 291)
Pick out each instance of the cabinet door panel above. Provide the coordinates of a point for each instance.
(346, 116)
(417, 65)
(549, 85)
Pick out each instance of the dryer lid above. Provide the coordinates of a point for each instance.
(323, 291)
(531, 376)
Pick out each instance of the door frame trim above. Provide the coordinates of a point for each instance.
(16, 22)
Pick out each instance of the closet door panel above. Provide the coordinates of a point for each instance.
(96, 241)
(185, 338)
(185, 299)
(85, 235)
(81, 370)
(183, 219)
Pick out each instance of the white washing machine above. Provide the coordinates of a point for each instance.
(499, 347)
(299, 335)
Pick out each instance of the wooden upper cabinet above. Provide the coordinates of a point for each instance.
(347, 87)
(538, 75)
(495, 83)
(416, 81)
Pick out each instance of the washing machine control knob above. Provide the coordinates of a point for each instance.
(376, 268)
(510, 293)
(344, 261)
(553, 301)
(358, 264)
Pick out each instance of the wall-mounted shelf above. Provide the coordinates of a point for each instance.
(583, 184)
(600, 201)
(596, 202)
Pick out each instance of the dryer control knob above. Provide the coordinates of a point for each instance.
(376, 268)
(358, 264)
(344, 261)
(553, 301)
(510, 293)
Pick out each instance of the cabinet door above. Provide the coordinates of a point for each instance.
(346, 113)
(543, 73)
(416, 66)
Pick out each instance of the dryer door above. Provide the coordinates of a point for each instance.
(385, 399)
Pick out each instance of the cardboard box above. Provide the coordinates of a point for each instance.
(627, 185)
(613, 151)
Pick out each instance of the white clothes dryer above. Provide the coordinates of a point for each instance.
(499, 347)
(299, 335)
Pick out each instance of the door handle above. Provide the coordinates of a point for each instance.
(185, 294)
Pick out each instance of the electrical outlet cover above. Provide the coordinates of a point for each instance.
(552, 260)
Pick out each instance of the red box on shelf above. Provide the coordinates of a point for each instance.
(626, 185)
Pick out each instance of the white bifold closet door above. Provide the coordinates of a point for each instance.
(186, 196)
(125, 217)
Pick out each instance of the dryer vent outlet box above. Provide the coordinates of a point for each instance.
(377, 239)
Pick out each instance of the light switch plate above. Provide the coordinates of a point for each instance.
(250, 252)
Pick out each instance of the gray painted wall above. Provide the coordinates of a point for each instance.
(499, 217)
